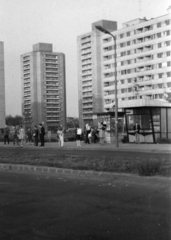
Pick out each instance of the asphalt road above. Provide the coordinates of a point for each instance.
(46, 207)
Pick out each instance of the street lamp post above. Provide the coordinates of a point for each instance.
(115, 80)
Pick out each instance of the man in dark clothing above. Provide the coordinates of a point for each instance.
(42, 134)
(6, 134)
(29, 135)
(137, 131)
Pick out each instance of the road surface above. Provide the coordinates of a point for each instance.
(47, 207)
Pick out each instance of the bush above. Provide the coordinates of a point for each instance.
(148, 167)
(125, 139)
(163, 140)
(69, 139)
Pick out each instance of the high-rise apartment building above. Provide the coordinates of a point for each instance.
(90, 72)
(2, 87)
(143, 49)
(43, 87)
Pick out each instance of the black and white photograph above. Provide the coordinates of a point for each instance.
(85, 120)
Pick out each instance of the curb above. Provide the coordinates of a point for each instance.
(55, 171)
(80, 173)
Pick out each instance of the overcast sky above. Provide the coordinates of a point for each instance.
(27, 22)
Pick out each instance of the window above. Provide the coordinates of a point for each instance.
(121, 35)
(128, 52)
(168, 53)
(168, 64)
(160, 65)
(159, 35)
(168, 33)
(129, 80)
(169, 84)
(128, 34)
(167, 43)
(128, 43)
(159, 55)
(159, 45)
(129, 89)
(159, 24)
(168, 74)
(123, 54)
(160, 75)
(167, 22)
(123, 72)
(134, 41)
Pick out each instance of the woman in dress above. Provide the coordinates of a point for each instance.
(60, 134)
(21, 135)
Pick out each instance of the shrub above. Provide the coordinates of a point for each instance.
(148, 167)
(125, 139)
(163, 140)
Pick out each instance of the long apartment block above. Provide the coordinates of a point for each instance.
(143, 56)
(43, 87)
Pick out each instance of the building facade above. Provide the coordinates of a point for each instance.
(143, 56)
(2, 87)
(90, 82)
(43, 87)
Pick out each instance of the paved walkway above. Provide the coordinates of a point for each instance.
(164, 148)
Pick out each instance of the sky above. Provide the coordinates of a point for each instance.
(24, 23)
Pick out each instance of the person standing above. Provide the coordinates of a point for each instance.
(137, 131)
(6, 134)
(94, 135)
(78, 136)
(15, 135)
(102, 129)
(60, 134)
(42, 134)
(36, 135)
(21, 135)
(88, 131)
(29, 135)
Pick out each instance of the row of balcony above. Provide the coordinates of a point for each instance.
(87, 61)
(51, 56)
(86, 39)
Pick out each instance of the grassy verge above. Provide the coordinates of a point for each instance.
(144, 167)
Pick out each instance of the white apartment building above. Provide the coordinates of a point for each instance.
(43, 87)
(143, 64)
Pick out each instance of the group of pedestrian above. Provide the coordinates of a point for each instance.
(97, 134)
(19, 136)
(39, 135)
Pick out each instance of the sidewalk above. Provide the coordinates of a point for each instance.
(160, 148)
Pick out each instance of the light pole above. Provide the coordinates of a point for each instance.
(115, 80)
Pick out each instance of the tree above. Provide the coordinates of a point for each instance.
(17, 120)
(72, 122)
